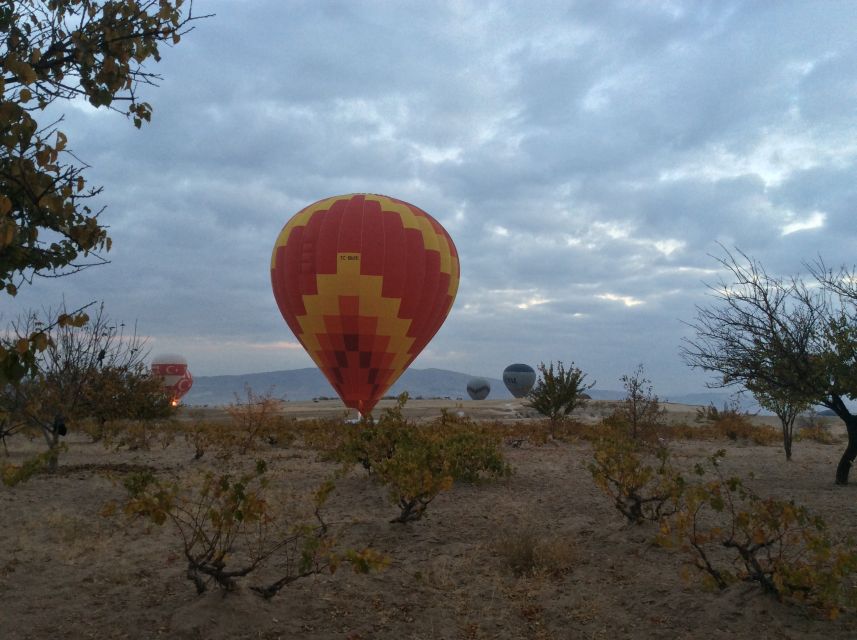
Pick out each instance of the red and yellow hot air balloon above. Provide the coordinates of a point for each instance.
(172, 369)
(364, 281)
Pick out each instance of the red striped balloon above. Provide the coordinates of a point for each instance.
(364, 282)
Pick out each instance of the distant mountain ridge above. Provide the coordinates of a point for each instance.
(309, 383)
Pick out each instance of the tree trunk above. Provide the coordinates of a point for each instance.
(850, 420)
(787, 442)
(847, 459)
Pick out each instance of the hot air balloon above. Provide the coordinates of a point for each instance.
(172, 369)
(478, 388)
(364, 282)
(519, 379)
(183, 386)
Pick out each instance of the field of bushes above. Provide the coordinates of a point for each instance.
(431, 522)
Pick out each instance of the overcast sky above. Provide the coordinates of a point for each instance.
(586, 158)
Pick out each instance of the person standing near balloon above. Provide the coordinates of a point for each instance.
(364, 282)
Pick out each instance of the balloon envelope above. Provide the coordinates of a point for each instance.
(478, 388)
(519, 379)
(172, 369)
(364, 282)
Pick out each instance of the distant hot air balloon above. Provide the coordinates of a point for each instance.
(478, 388)
(172, 369)
(519, 379)
(364, 281)
(183, 385)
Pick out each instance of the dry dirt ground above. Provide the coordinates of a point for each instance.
(68, 572)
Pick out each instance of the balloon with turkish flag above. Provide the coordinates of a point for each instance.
(172, 369)
(364, 282)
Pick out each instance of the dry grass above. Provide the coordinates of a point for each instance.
(527, 552)
(542, 554)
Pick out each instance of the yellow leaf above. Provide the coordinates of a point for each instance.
(25, 95)
(22, 346)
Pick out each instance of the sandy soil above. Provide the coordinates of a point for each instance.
(68, 572)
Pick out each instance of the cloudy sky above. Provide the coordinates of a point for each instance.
(586, 158)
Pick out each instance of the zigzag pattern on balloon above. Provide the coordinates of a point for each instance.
(364, 282)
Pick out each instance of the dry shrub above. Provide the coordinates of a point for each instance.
(12, 474)
(812, 428)
(137, 435)
(817, 433)
(200, 435)
(732, 534)
(228, 529)
(540, 432)
(515, 433)
(416, 462)
(325, 436)
(638, 476)
(527, 552)
(574, 431)
(256, 418)
(684, 431)
(732, 424)
(647, 427)
(737, 428)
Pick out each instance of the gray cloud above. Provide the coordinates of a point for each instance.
(585, 158)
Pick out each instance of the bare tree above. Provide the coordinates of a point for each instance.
(96, 369)
(641, 407)
(795, 342)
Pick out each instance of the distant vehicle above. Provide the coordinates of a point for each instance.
(519, 379)
(364, 282)
(173, 371)
(478, 388)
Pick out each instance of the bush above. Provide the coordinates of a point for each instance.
(527, 552)
(255, 418)
(322, 435)
(735, 427)
(810, 427)
(199, 436)
(228, 530)
(474, 455)
(417, 462)
(640, 411)
(558, 393)
(12, 474)
(722, 425)
(735, 535)
(540, 432)
(638, 477)
(134, 435)
(730, 532)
